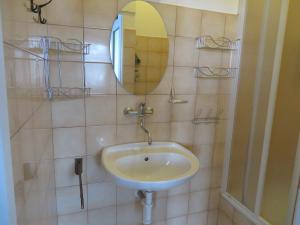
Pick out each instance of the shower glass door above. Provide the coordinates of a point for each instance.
(261, 169)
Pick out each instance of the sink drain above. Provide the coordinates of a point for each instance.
(146, 159)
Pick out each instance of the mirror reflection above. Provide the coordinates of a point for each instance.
(139, 47)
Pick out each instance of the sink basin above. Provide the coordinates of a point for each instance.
(161, 166)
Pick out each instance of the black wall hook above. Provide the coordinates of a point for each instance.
(35, 8)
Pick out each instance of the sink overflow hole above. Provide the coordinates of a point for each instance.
(146, 159)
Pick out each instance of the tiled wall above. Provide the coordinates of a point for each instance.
(30, 123)
(228, 215)
(82, 127)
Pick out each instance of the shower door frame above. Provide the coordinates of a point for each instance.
(7, 194)
(255, 216)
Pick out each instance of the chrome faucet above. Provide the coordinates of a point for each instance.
(142, 125)
(142, 114)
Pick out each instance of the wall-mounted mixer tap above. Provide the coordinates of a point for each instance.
(141, 113)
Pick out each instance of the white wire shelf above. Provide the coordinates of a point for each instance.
(207, 120)
(220, 43)
(65, 92)
(215, 72)
(46, 49)
(52, 45)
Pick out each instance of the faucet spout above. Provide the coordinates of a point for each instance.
(142, 125)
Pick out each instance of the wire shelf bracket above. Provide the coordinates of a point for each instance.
(221, 43)
(215, 72)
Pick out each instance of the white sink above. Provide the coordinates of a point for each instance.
(160, 166)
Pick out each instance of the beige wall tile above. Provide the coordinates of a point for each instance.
(214, 198)
(159, 210)
(69, 142)
(208, 86)
(197, 219)
(101, 110)
(171, 50)
(73, 219)
(182, 189)
(95, 171)
(65, 12)
(68, 113)
(182, 132)
(68, 200)
(99, 49)
(101, 195)
(204, 153)
(159, 131)
(213, 24)
(177, 221)
(226, 86)
(210, 58)
(184, 80)
(218, 158)
(204, 134)
(72, 75)
(129, 214)
(223, 219)
(126, 196)
(14, 10)
(130, 133)
(105, 215)
(221, 129)
(99, 137)
(185, 52)
(162, 109)
(36, 144)
(206, 106)
(216, 178)
(63, 32)
(100, 78)
(231, 27)
(188, 23)
(99, 14)
(184, 112)
(201, 181)
(177, 205)
(212, 217)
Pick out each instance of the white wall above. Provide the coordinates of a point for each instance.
(224, 6)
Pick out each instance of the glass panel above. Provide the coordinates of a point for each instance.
(260, 39)
(286, 126)
(245, 95)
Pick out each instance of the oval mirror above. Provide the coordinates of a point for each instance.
(139, 47)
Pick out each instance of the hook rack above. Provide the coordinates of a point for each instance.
(36, 8)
